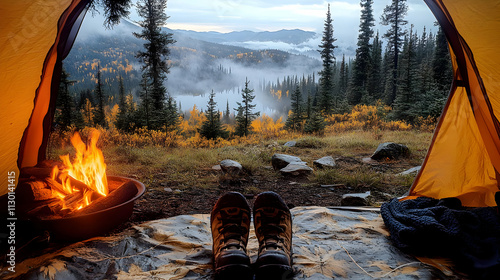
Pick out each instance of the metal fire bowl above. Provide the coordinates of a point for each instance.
(93, 224)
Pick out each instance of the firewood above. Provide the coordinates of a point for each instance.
(122, 194)
(35, 172)
(33, 190)
(56, 186)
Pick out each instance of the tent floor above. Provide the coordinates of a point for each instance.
(327, 243)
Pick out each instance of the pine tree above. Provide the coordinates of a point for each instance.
(144, 114)
(343, 76)
(99, 116)
(212, 127)
(394, 17)
(154, 59)
(294, 121)
(64, 103)
(362, 64)
(123, 114)
(441, 65)
(407, 90)
(227, 114)
(326, 86)
(315, 123)
(375, 76)
(245, 115)
(171, 115)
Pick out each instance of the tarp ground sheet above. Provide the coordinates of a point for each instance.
(180, 248)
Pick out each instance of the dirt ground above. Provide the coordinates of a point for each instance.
(163, 202)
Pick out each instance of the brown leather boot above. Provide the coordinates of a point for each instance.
(273, 227)
(230, 224)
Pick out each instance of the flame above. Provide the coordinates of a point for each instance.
(88, 167)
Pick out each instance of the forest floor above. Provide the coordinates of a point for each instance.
(183, 181)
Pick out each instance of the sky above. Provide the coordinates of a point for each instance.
(259, 15)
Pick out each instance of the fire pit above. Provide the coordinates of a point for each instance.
(89, 225)
(75, 199)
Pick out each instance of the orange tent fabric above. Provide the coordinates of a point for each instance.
(464, 157)
(35, 37)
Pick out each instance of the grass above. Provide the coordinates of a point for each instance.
(191, 168)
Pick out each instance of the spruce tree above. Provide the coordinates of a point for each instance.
(227, 114)
(294, 121)
(362, 63)
(65, 114)
(99, 116)
(171, 115)
(145, 112)
(408, 89)
(394, 17)
(315, 123)
(375, 76)
(326, 86)
(245, 115)
(155, 56)
(441, 64)
(122, 118)
(211, 127)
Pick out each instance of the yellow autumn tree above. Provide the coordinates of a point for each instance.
(191, 125)
(267, 127)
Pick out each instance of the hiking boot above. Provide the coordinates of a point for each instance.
(230, 224)
(273, 227)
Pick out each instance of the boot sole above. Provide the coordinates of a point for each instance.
(274, 272)
(234, 271)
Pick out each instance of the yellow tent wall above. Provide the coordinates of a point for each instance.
(464, 156)
(34, 40)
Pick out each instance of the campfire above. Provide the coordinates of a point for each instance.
(74, 187)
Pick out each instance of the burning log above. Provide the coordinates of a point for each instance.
(34, 190)
(122, 194)
(58, 208)
(35, 172)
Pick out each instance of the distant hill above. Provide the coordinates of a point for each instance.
(197, 65)
(295, 36)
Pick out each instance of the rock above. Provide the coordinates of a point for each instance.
(410, 171)
(280, 161)
(231, 167)
(390, 150)
(324, 162)
(355, 199)
(333, 186)
(217, 167)
(169, 190)
(296, 170)
(290, 143)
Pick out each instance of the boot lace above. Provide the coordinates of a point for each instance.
(232, 230)
(271, 229)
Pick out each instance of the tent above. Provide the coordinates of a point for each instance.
(464, 157)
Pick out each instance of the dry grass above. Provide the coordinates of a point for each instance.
(191, 168)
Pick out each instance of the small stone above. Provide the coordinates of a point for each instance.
(333, 186)
(296, 170)
(177, 191)
(168, 190)
(390, 150)
(355, 199)
(290, 143)
(280, 161)
(230, 166)
(410, 171)
(217, 167)
(324, 162)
